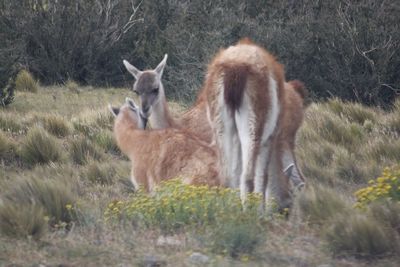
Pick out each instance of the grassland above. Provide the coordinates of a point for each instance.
(61, 172)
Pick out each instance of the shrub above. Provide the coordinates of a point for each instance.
(387, 186)
(25, 82)
(318, 204)
(21, 220)
(82, 150)
(360, 236)
(40, 147)
(55, 197)
(103, 173)
(175, 205)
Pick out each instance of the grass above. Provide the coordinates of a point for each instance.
(25, 82)
(38, 147)
(60, 202)
(83, 150)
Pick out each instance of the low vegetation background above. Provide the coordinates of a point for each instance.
(66, 198)
(347, 49)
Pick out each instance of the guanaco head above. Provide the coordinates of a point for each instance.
(129, 110)
(148, 86)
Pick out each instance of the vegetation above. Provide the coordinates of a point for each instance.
(39, 147)
(25, 82)
(80, 207)
(338, 48)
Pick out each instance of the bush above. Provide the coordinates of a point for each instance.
(22, 220)
(82, 150)
(174, 206)
(40, 147)
(387, 186)
(360, 236)
(25, 82)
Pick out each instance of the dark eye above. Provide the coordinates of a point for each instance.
(135, 91)
(154, 91)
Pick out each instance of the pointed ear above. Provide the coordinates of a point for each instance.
(131, 103)
(113, 110)
(288, 170)
(132, 69)
(160, 68)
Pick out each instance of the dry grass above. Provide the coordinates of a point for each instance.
(340, 147)
(40, 147)
(25, 82)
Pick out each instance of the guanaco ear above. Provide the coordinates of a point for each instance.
(132, 69)
(131, 103)
(160, 68)
(289, 170)
(114, 110)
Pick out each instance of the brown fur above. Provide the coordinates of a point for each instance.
(158, 155)
(256, 66)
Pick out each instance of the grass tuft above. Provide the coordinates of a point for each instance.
(72, 86)
(21, 220)
(57, 125)
(9, 122)
(40, 147)
(359, 236)
(25, 82)
(320, 204)
(101, 173)
(6, 147)
(56, 197)
(105, 139)
(83, 150)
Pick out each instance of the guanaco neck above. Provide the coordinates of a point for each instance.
(161, 117)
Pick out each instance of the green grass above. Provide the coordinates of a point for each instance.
(60, 170)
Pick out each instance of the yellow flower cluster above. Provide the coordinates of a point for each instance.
(174, 205)
(385, 186)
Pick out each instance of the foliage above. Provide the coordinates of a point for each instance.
(175, 205)
(56, 125)
(40, 147)
(339, 48)
(387, 186)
